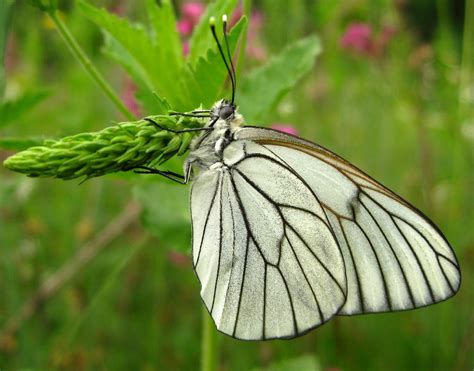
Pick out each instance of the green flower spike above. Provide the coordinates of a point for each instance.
(117, 148)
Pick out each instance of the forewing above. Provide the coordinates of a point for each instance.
(263, 248)
(395, 257)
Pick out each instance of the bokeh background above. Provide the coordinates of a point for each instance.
(392, 91)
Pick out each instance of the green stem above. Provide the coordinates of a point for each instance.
(465, 112)
(5, 17)
(467, 64)
(86, 62)
(208, 343)
(443, 13)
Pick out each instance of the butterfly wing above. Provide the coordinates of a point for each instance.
(263, 248)
(395, 258)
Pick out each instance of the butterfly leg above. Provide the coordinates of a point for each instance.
(178, 178)
(153, 122)
(195, 113)
(208, 111)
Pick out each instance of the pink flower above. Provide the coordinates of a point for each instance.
(185, 27)
(193, 11)
(256, 23)
(358, 38)
(128, 97)
(285, 128)
(254, 46)
(185, 47)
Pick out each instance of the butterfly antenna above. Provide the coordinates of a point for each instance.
(212, 22)
(224, 29)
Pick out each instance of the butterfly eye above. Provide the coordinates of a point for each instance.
(226, 112)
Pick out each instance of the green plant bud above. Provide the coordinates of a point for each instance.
(121, 147)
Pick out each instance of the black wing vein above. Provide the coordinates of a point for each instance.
(205, 224)
(221, 231)
(384, 281)
(407, 285)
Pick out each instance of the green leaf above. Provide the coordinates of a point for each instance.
(12, 110)
(261, 89)
(150, 101)
(205, 81)
(19, 144)
(161, 103)
(117, 52)
(150, 57)
(165, 35)
(202, 39)
(166, 212)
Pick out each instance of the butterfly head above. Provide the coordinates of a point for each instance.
(225, 113)
(225, 110)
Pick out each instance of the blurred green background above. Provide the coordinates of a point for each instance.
(392, 91)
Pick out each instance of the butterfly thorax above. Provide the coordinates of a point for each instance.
(208, 148)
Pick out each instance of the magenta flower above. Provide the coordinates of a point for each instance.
(191, 13)
(285, 128)
(359, 39)
(185, 27)
(128, 97)
(255, 48)
(185, 47)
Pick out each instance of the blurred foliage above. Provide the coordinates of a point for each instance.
(399, 114)
(12, 110)
(263, 87)
(307, 363)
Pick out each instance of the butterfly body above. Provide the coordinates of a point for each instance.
(207, 150)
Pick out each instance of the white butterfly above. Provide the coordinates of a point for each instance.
(286, 234)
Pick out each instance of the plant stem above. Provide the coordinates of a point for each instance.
(465, 112)
(208, 343)
(443, 12)
(5, 17)
(467, 75)
(86, 62)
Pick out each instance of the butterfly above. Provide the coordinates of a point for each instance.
(286, 234)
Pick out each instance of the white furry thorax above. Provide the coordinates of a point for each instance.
(207, 149)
